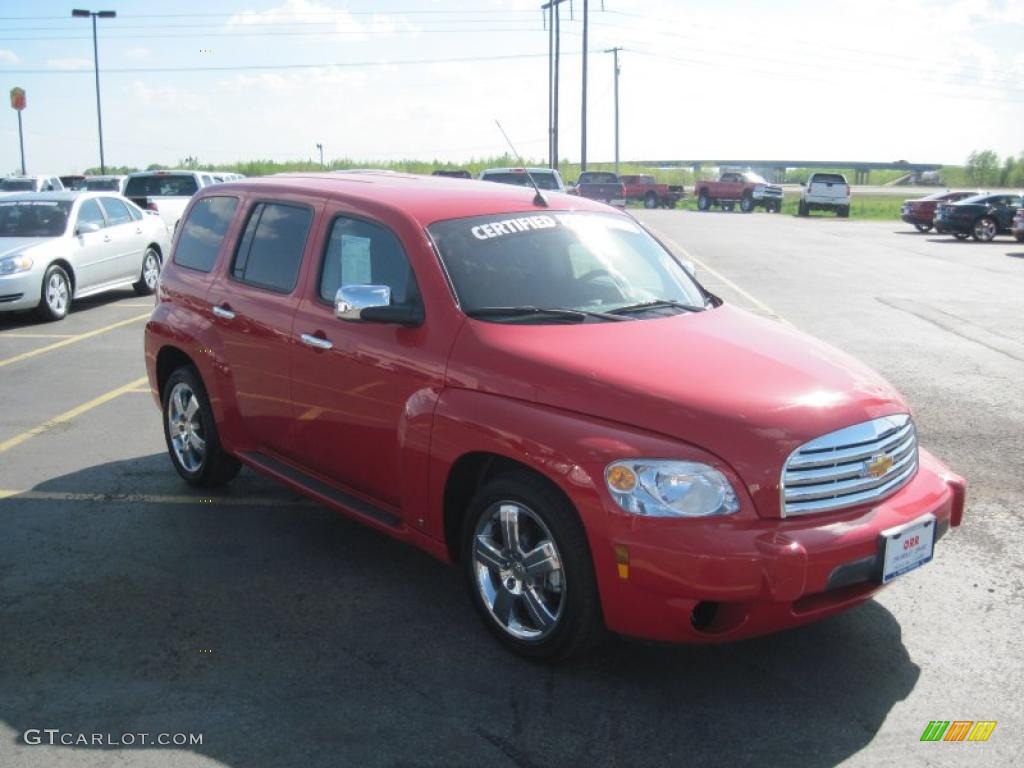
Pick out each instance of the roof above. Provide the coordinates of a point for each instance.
(65, 194)
(424, 198)
(164, 171)
(519, 169)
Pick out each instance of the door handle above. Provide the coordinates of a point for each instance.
(223, 312)
(316, 341)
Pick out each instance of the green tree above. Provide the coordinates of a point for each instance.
(983, 168)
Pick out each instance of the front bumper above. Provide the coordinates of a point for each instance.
(721, 579)
(20, 291)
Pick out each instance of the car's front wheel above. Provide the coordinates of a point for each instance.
(150, 273)
(529, 568)
(703, 202)
(55, 300)
(191, 433)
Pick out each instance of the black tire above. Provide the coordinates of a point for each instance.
(923, 227)
(579, 624)
(1020, 238)
(747, 203)
(146, 284)
(843, 211)
(650, 200)
(703, 201)
(55, 298)
(670, 203)
(215, 467)
(985, 229)
(801, 209)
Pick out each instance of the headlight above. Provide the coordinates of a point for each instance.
(13, 264)
(666, 488)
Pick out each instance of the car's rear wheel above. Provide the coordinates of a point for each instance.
(55, 300)
(843, 211)
(747, 204)
(150, 273)
(985, 229)
(802, 209)
(191, 432)
(529, 568)
(650, 200)
(923, 227)
(703, 202)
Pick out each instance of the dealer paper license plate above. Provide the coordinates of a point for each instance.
(908, 547)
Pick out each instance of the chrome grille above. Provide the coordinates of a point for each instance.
(851, 466)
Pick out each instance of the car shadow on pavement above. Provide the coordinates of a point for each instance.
(1016, 255)
(29, 319)
(288, 635)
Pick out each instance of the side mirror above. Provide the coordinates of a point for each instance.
(372, 304)
(86, 226)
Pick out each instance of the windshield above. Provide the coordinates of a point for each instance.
(544, 179)
(754, 178)
(974, 200)
(18, 185)
(596, 177)
(34, 218)
(103, 185)
(567, 261)
(168, 185)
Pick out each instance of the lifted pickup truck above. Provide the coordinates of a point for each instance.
(747, 188)
(165, 192)
(603, 186)
(653, 194)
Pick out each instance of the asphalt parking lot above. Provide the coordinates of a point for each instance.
(287, 635)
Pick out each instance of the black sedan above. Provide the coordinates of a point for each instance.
(981, 217)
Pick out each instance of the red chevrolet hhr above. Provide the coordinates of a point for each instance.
(531, 385)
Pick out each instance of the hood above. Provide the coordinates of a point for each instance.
(747, 389)
(13, 245)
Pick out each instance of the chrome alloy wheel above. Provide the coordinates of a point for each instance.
(57, 293)
(150, 268)
(518, 571)
(185, 426)
(985, 229)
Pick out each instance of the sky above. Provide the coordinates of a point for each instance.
(880, 80)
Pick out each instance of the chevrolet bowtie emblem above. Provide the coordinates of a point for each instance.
(878, 465)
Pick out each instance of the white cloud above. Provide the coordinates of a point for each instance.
(8, 57)
(137, 53)
(69, 63)
(319, 17)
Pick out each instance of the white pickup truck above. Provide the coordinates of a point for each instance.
(165, 192)
(826, 192)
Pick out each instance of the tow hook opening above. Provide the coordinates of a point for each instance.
(703, 614)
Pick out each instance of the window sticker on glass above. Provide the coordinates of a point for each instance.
(355, 260)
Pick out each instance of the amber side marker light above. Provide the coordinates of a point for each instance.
(622, 560)
(622, 478)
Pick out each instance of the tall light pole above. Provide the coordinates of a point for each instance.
(583, 100)
(321, 148)
(615, 52)
(78, 13)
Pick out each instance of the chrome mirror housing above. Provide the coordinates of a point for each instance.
(351, 300)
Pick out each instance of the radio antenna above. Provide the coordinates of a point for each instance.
(538, 198)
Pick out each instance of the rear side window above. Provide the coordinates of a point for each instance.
(270, 251)
(543, 179)
(362, 253)
(828, 178)
(117, 212)
(203, 232)
(162, 185)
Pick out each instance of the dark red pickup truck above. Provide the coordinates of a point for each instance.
(747, 188)
(603, 186)
(653, 194)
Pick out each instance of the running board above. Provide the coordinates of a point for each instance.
(321, 489)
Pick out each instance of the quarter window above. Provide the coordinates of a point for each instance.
(270, 251)
(117, 212)
(203, 232)
(362, 253)
(90, 213)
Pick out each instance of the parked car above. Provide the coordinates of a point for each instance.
(825, 192)
(113, 183)
(488, 377)
(56, 247)
(1017, 229)
(650, 192)
(459, 173)
(544, 178)
(165, 192)
(921, 211)
(603, 186)
(981, 216)
(73, 181)
(748, 189)
(10, 184)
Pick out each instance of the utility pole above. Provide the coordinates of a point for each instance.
(321, 148)
(583, 109)
(615, 53)
(554, 48)
(78, 13)
(558, 46)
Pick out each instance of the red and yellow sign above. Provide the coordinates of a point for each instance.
(18, 98)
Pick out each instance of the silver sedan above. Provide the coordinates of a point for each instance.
(60, 246)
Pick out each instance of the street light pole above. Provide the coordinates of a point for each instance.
(615, 52)
(81, 14)
(321, 148)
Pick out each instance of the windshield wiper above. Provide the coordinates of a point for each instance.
(576, 315)
(654, 304)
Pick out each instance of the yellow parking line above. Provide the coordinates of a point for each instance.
(17, 335)
(69, 415)
(748, 296)
(71, 340)
(149, 498)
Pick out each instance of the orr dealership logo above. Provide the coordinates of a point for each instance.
(958, 730)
